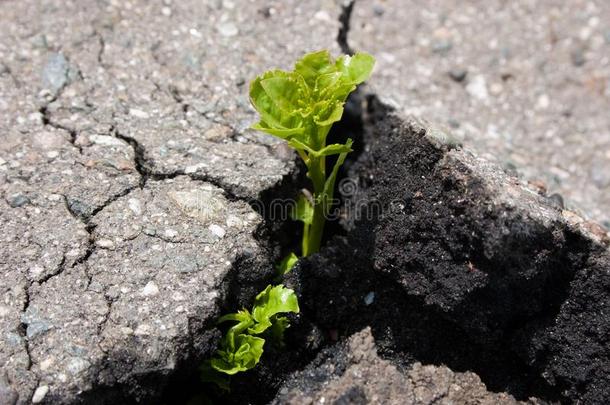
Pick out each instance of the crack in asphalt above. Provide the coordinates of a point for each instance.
(23, 326)
(48, 121)
(344, 21)
(144, 168)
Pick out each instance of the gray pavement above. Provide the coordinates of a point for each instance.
(355, 374)
(523, 83)
(125, 166)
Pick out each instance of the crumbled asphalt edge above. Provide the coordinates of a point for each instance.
(547, 346)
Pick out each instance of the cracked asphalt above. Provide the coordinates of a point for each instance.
(126, 162)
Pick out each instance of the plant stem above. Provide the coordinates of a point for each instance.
(317, 174)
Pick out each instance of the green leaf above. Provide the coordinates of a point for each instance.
(283, 133)
(243, 318)
(272, 116)
(313, 65)
(327, 80)
(329, 185)
(278, 327)
(284, 90)
(356, 69)
(303, 210)
(296, 144)
(287, 263)
(272, 301)
(246, 354)
(329, 115)
(334, 149)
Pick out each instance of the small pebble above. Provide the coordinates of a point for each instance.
(477, 88)
(150, 289)
(227, 29)
(135, 206)
(171, 233)
(105, 244)
(369, 298)
(18, 200)
(543, 102)
(578, 56)
(40, 393)
(442, 46)
(556, 200)
(458, 74)
(217, 230)
(138, 113)
(55, 72)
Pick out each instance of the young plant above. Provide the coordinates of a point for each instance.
(300, 107)
(242, 346)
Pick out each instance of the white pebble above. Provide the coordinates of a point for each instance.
(233, 221)
(227, 29)
(150, 289)
(46, 363)
(105, 244)
(143, 330)
(171, 233)
(106, 140)
(138, 113)
(322, 16)
(543, 102)
(40, 393)
(217, 230)
(477, 88)
(135, 206)
(195, 33)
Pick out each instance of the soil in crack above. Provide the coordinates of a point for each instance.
(444, 275)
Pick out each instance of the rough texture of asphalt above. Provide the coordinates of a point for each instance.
(126, 166)
(353, 373)
(525, 83)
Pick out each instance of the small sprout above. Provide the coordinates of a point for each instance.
(287, 264)
(240, 350)
(300, 107)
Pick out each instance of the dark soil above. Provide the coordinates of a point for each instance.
(457, 280)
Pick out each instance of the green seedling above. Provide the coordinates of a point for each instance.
(242, 346)
(300, 107)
